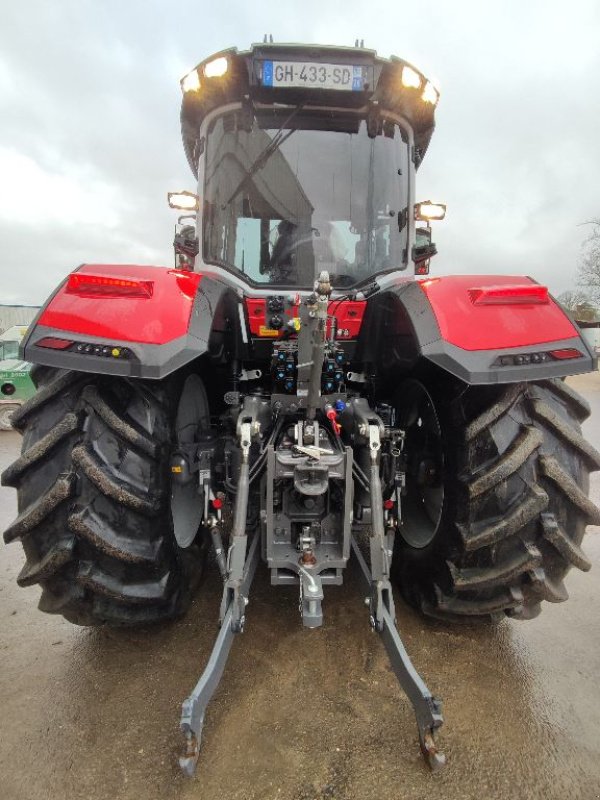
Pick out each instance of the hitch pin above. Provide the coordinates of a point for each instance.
(313, 451)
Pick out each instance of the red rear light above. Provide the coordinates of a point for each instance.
(103, 286)
(567, 352)
(517, 294)
(53, 343)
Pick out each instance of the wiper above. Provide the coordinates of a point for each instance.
(278, 139)
(369, 290)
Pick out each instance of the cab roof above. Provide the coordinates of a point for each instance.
(384, 84)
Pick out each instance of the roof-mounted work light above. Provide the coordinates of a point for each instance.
(430, 94)
(216, 68)
(410, 78)
(190, 82)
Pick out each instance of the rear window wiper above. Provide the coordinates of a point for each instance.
(278, 139)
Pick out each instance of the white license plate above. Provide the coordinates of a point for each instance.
(307, 74)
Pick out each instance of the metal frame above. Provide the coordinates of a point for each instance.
(305, 469)
(194, 706)
(427, 708)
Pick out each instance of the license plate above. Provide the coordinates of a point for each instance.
(307, 74)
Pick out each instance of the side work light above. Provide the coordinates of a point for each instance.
(184, 201)
(428, 210)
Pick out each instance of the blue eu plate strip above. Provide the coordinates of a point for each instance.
(267, 77)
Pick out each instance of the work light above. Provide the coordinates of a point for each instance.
(430, 94)
(216, 68)
(410, 78)
(191, 82)
(185, 201)
(428, 210)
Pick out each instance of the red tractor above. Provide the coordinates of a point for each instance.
(290, 393)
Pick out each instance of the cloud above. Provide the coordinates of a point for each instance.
(54, 198)
(89, 103)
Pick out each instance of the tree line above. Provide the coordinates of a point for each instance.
(585, 299)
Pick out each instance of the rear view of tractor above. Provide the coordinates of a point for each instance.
(298, 390)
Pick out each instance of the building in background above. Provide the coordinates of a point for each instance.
(16, 385)
(587, 316)
(16, 315)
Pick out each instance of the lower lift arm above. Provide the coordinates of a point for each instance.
(238, 577)
(381, 604)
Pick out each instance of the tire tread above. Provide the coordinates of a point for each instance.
(518, 504)
(100, 548)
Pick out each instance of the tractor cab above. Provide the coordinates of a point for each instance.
(305, 159)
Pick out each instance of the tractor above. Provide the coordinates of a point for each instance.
(15, 383)
(299, 391)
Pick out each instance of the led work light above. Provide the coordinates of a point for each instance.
(184, 201)
(428, 210)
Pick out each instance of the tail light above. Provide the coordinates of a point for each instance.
(519, 294)
(565, 353)
(54, 343)
(85, 348)
(103, 286)
(542, 357)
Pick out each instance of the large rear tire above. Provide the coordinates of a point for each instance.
(93, 487)
(508, 469)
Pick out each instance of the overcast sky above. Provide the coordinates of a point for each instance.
(90, 141)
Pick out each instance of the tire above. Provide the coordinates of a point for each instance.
(6, 413)
(513, 468)
(93, 488)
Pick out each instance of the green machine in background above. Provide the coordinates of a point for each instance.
(16, 385)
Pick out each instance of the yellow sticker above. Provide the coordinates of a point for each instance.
(264, 331)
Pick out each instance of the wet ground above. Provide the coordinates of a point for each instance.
(88, 713)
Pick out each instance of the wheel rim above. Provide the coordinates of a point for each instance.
(424, 499)
(187, 501)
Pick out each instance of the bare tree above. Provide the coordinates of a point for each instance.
(588, 274)
(573, 300)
